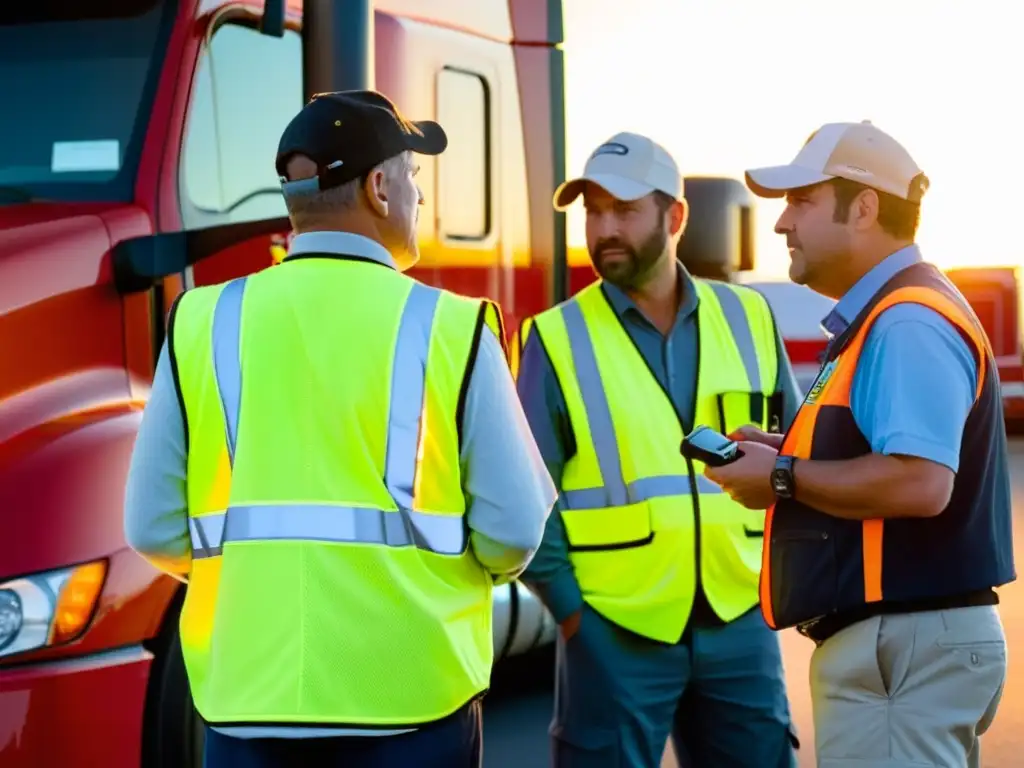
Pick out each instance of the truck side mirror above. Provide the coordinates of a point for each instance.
(139, 262)
(719, 238)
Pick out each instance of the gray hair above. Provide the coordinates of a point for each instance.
(314, 203)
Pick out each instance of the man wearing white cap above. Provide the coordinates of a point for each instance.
(650, 569)
(889, 520)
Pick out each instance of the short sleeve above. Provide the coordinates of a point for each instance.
(915, 385)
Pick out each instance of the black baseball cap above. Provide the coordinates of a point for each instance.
(348, 133)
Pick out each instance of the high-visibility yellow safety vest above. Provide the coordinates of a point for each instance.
(331, 580)
(638, 516)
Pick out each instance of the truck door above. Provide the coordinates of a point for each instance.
(246, 88)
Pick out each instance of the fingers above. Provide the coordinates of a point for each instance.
(713, 475)
(746, 432)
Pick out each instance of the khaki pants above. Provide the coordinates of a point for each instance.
(908, 690)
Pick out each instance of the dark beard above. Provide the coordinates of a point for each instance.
(636, 269)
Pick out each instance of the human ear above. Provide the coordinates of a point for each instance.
(865, 209)
(375, 188)
(678, 215)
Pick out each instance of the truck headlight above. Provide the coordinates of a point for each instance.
(48, 608)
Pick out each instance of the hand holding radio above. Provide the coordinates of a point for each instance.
(710, 447)
(743, 473)
(751, 434)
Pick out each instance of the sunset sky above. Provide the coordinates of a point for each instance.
(730, 84)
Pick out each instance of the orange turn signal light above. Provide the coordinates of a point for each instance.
(76, 601)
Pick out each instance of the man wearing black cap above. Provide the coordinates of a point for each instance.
(330, 154)
(340, 508)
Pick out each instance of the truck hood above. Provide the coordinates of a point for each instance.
(27, 214)
(66, 424)
(65, 243)
(61, 501)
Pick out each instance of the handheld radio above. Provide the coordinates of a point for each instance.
(710, 447)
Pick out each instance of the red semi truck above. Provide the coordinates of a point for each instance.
(137, 161)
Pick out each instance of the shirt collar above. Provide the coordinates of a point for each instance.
(854, 300)
(342, 244)
(622, 304)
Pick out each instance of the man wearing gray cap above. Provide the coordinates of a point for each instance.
(650, 570)
(889, 520)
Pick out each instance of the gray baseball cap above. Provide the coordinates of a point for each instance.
(628, 166)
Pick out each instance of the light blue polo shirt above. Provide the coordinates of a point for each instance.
(916, 378)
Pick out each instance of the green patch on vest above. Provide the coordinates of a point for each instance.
(821, 382)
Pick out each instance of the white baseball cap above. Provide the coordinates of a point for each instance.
(855, 151)
(628, 166)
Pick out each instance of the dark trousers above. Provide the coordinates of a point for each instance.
(455, 742)
(721, 696)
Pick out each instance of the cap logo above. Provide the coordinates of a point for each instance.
(611, 148)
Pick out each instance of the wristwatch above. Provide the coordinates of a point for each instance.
(782, 477)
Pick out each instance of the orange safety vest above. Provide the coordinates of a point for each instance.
(816, 565)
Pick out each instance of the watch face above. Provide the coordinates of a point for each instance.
(780, 481)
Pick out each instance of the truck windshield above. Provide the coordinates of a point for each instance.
(77, 83)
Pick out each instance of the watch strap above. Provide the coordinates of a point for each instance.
(784, 472)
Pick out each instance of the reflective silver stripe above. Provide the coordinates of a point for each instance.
(408, 380)
(595, 402)
(736, 317)
(444, 534)
(326, 522)
(203, 530)
(615, 492)
(227, 329)
(644, 489)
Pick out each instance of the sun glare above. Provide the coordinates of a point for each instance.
(726, 86)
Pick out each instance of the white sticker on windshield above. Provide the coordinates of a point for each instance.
(79, 156)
